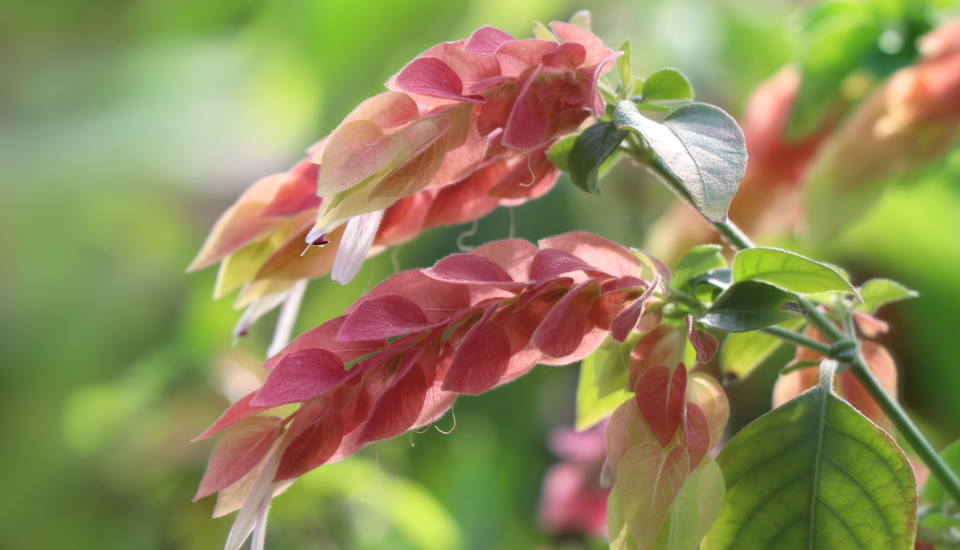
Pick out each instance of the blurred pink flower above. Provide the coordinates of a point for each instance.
(910, 121)
(572, 500)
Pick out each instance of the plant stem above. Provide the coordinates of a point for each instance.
(908, 429)
(688, 301)
(730, 231)
(859, 368)
(799, 339)
(818, 319)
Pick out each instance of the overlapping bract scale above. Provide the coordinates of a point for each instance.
(400, 356)
(647, 470)
(464, 128)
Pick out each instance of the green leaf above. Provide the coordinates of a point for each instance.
(637, 85)
(748, 305)
(625, 67)
(707, 286)
(603, 382)
(590, 149)
(700, 145)
(559, 152)
(877, 293)
(667, 85)
(743, 352)
(705, 293)
(788, 271)
(933, 491)
(698, 261)
(815, 473)
(653, 107)
(694, 509)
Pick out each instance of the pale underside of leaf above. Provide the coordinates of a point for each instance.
(701, 146)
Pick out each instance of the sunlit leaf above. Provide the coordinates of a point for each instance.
(665, 496)
(699, 144)
(239, 267)
(788, 271)
(559, 153)
(667, 85)
(815, 473)
(877, 293)
(707, 394)
(542, 32)
(742, 352)
(698, 261)
(582, 18)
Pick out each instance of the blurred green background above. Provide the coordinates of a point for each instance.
(127, 127)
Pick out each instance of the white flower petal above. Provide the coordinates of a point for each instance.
(256, 505)
(260, 528)
(317, 233)
(355, 245)
(257, 309)
(287, 318)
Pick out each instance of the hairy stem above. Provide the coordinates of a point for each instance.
(833, 333)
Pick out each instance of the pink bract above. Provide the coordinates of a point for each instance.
(464, 128)
(400, 356)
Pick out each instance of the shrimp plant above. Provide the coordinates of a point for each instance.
(493, 120)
